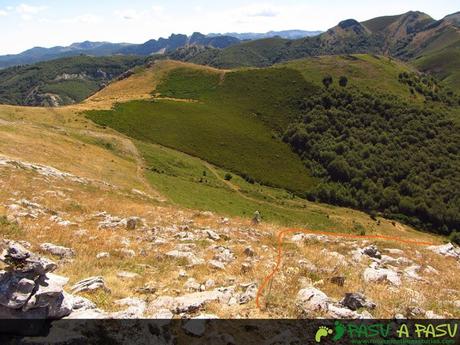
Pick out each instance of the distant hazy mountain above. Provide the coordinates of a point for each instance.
(431, 45)
(289, 34)
(173, 42)
(38, 54)
(159, 46)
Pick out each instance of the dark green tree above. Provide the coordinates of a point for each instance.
(327, 81)
(343, 81)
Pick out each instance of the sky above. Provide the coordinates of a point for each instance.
(29, 23)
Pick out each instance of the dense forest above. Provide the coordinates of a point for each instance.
(380, 154)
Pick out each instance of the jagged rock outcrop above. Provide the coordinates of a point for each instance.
(28, 289)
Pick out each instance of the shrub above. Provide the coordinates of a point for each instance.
(343, 81)
(327, 81)
(454, 237)
(228, 177)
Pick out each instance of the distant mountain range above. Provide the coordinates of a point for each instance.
(160, 46)
(288, 34)
(431, 45)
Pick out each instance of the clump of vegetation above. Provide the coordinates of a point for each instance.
(343, 81)
(455, 237)
(228, 177)
(9, 229)
(428, 87)
(327, 81)
(377, 153)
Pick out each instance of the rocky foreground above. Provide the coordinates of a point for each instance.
(29, 289)
(75, 248)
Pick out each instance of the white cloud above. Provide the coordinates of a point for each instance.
(133, 14)
(266, 12)
(3, 13)
(87, 18)
(27, 11)
(260, 10)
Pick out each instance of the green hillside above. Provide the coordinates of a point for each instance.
(233, 121)
(60, 82)
(384, 142)
(362, 70)
(445, 64)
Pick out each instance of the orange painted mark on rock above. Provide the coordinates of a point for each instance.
(282, 233)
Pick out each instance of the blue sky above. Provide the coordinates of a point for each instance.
(25, 24)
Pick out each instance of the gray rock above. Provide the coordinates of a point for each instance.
(90, 284)
(28, 289)
(308, 265)
(186, 303)
(136, 308)
(356, 300)
(192, 259)
(414, 311)
(163, 314)
(446, 250)
(62, 252)
(212, 235)
(209, 283)
(224, 254)
(312, 300)
(336, 312)
(15, 289)
(249, 294)
(216, 264)
(195, 301)
(79, 303)
(372, 251)
(24, 262)
(394, 251)
(430, 314)
(192, 285)
(148, 288)
(48, 289)
(411, 273)
(375, 274)
(127, 252)
(102, 255)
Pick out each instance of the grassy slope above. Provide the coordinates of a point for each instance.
(362, 70)
(62, 138)
(445, 64)
(226, 126)
(190, 182)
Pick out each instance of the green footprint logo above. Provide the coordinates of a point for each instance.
(322, 331)
(339, 331)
